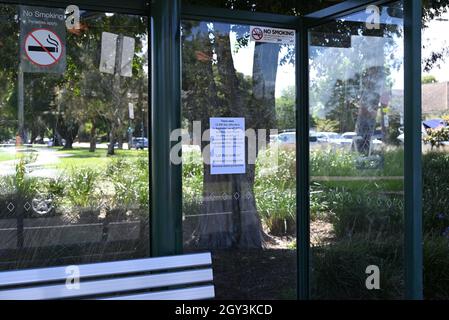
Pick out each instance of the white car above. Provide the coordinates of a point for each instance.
(287, 138)
(327, 136)
(348, 138)
(290, 138)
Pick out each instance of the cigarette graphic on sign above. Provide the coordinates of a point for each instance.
(53, 42)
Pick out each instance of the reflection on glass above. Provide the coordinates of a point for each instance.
(74, 178)
(435, 134)
(357, 162)
(246, 220)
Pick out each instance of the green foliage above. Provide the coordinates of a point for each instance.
(436, 260)
(80, 189)
(333, 163)
(346, 164)
(130, 181)
(437, 136)
(327, 125)
(435, 193)
(23, 185)
(192, 178)
(286, 109)
(275, 188)
(339, 269)
(367, 214)
(429, 79)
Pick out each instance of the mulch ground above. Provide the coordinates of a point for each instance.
(268, 274)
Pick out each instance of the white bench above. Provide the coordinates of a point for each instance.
(186, 277)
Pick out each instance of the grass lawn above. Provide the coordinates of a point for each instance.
(6, 156)
(82, 158)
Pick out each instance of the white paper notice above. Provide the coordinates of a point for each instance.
(272, 35)
(108, 52)
(227, 146)
(129, 45)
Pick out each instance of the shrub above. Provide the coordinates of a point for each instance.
(435, 193)
(81, 186)
(369, 214)
(338, 270)
(192, 174)
(275, 190)
(130, 182)
(333, 163)
(436, 262)
(436, 137)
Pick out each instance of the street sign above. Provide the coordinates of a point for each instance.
(42, 39)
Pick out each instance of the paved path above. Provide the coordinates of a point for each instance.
(37, 169)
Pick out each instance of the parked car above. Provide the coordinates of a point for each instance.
(327, 137)
(287, 138)
(140, 143)
(274, 138)
(290, 138)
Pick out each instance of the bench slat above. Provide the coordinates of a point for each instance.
(199, 293)
(109, 286)
(11, 278)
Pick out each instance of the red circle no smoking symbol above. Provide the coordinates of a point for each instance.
(43, 47)
(257, 34)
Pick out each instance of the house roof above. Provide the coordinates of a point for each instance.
(435, 98)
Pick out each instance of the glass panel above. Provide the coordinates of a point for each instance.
(74, 178)
(357, 162)
(242, 208)
(435, 131)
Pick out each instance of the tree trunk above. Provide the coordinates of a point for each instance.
(93, 138)
(372, 84)
(68, 143)
(120, 142)
(229, 217)
(111, 147)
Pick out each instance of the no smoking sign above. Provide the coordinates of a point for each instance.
(43, 47)
(257, 34)
(273, 35)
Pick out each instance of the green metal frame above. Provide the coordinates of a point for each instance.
(166, 217)
(413, 151)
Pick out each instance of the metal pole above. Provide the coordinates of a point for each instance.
(302, 162)
(116, 94)
(413, 151)
(20, 108)
(166, 215)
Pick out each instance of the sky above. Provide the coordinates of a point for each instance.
(435, 37)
